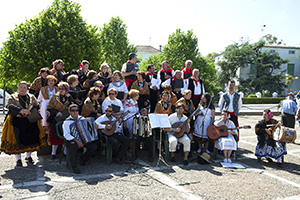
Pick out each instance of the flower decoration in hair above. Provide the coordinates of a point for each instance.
(54, 63)
(67, 90)
(270, 114)
(102, 86)
(40, 73)
(81, 65)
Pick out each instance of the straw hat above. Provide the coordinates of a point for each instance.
(203, 158)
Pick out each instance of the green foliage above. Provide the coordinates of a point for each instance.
(115, 46)
(59, 32)
(270, 39)
(252, 96)
(263, 100)
(265, 93)
(183, 46)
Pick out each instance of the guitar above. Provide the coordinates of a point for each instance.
(113, 124)
(214, 132)
(182, 125)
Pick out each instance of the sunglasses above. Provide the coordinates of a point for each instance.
(111, 94)
(108, 111)
(74, 110)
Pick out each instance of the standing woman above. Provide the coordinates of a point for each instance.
(119, 85)
(39, 82)
(200, 133)
(142, 86)
(58, 70)
(58, 105)
(131, 105)
(104, 76)
(45, 95)
(18, 134)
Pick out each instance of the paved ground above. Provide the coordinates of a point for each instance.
(51, 180)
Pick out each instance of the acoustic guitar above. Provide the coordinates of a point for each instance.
(214, 132)
(182, 125)
(113, 124)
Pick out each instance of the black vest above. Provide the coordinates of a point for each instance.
(162, 76)
(192, 87)
(131, 67)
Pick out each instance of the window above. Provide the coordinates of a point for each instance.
(291, 52)
(291, 69)
(252, 69)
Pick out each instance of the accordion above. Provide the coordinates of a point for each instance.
(84, 130)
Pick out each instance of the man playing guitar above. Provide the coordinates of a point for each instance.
(178, 116)
(119, 142)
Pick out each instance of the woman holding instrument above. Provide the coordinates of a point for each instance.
(227, 144)
(57, 106)
(201, 127)
(18, 134)
(267, 147)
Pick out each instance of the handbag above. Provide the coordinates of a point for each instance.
(34, 116)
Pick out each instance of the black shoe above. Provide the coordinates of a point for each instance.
(173, 159)
(76, 170)
(53, 157)
(19, 163)
(185, 162)
(29, 160)
(258, 159)
(269, 160)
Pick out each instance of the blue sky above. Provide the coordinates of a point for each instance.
(216, 23)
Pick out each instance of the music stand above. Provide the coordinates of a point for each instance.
(159, 121)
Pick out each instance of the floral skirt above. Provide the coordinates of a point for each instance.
(275, 152)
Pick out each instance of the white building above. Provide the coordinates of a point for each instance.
(145, 51)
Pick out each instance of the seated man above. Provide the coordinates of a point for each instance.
(227, 144)
(119, 142)
(73, 143)
(178, 116)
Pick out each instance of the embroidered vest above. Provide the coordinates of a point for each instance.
(235, 102)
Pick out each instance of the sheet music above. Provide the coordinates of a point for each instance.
(159, 120)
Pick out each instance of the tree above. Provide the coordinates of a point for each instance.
(59, 32)
(183, 46)
(265, 63)
(115, 44)
(270, 39)
(289, 79)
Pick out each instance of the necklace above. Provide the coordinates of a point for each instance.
(25, 101)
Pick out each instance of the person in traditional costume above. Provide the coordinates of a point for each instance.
(177, 83)
(75, 88)
(58, 70)
(91, 76)
(207, 109)
(195, 84)
(142, 86)
(104, 76)
(83, 70)
(154, 86)
(119, 85)
(129, 70)
(18, 134)
(164, 106)
(39, 82)
(187, 102)
(113, 101)
(267, 147)
(100, 85)
(131, 105)
(187, 71)
(227, 144)
(44, 97)
(91, 106)
(173, 98)
(58, 108)
(165, 72)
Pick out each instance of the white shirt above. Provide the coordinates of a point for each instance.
(132, 106)
(104, 118)
(173, 119)
(168, 82)
(66, 127)
(120, 86)
(107, 101)
(154, 82)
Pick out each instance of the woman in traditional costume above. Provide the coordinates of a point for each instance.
(119, 85)
(39, 82)
(91, 106)
(142, 86)
(18, 134)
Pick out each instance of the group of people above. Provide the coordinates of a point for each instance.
(114, 104)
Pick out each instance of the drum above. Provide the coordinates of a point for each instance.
(285, 134)
(141, 126)
(84, 130)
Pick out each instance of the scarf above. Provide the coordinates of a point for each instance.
(185, 70)
(196, 80)
(164, 71)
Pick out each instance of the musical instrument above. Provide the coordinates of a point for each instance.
(113, 124)
(214, 132)
(182, 125)
(285, 134)
(84, 130)
(141, 126)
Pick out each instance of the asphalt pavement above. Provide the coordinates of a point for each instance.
(48, 179)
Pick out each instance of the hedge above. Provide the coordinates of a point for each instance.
(262, 100)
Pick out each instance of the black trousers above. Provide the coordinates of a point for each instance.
(73, 147)
(120, 143)
(288, 120)
(153, 99)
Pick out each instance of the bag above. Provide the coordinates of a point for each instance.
(34, 116)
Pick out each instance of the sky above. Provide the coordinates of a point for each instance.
(216, 23)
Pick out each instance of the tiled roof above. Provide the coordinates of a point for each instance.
(147, 48)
